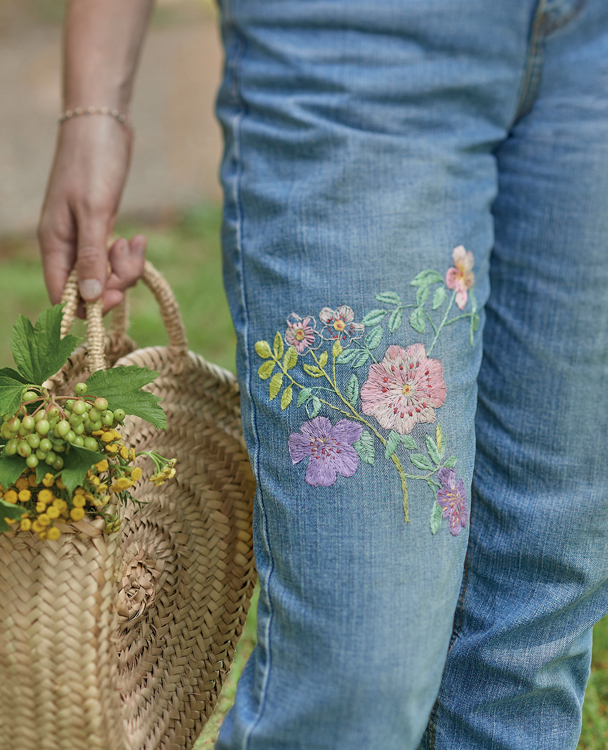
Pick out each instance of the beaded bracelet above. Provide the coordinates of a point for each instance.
(71, 113)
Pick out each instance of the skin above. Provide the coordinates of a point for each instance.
(102, 43)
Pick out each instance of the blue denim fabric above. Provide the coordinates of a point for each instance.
(364, 142)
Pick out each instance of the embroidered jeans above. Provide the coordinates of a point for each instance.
(416, 259)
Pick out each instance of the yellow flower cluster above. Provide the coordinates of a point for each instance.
(167, 472)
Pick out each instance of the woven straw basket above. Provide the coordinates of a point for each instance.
(123, 641)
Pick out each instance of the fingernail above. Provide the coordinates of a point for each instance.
(90, 289)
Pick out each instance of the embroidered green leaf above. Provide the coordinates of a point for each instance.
(436, 515)
(409, 442)
(352, 389)
(417, 320)
(373, 318)
(425, 278)
(422, 295)
(304, 395)
(278, 345)
(439, 297)
(394, 320)
(286, 397)
(346, 356)
(336, 349)
(374, 337)
(420, 461)
(10, 395)
(8, 510)
(450, 462)
(266, 368)
(394, 440)
(263, 349)
(361, 359)
(389, 298)
(433, 450)
(323, 359)
(475, 322)
(11, 468)
(316, 407)
(440, 439)
(313, 371)
(275, 384)
(365, 448)
(473, 299)
(290, 360)
(77, 461)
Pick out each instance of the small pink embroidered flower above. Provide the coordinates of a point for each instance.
(461, 277)
(403, 389)
(301, 332)
(328, 449)
(339, 325)
(452, 498)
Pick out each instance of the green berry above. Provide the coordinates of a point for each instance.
(43, 427)
(39, 416)
(11, 447)
(90, 444)
(14, 424)
(46, 445)
(31, 461)
(33, 440)
(119, 415)
(23, 449)
(79, 429)
(51, 456)
(107, 419)
(29, 395)
(28, 422)
(78, 441)
(70, 437)
(79, 407)
(80, 389)
(5, 432)
(40, 455)
(96, 426)
(59, 448)
(69, 404)
(101, 404)
(94, 415)
(63, 427)
(58, 463)
(53, 411)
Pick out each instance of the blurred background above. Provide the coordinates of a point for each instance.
(173, 197)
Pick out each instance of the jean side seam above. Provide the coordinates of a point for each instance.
(531, 78)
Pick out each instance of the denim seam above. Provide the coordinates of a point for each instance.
(531, 79)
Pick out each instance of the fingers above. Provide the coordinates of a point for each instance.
(58, 250)
(92, 256)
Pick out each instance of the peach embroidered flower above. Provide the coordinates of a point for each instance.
(339, 325)
(461, 276)
(301, 333)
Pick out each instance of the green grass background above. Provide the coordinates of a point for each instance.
(187, 252)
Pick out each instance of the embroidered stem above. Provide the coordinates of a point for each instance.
(443, 322)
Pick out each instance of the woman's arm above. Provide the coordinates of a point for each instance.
(101, 50)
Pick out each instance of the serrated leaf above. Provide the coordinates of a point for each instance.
(278, 346)
(394, 320)
(336, 349)
(346, 356)
(266, 368)
(313, 371)
(11, 468)
(393, 441)
(374, 337)
(10, 395)
(8, 372)
(77, 461)
(436, 516)
(374, 317)
(425, 278)
(39, 351)
(417, 320)
(303, 396)
(263, 349)
(361, 359)
(290, 360)
(389, 298)
(409, 442)
(286, 398)
(323, 359)
(422, 295)
(420, 461)
(352, 389)
(439, 297)
(365, 448)
(473, 298)
(316, 407)
(121, 386)
(275, 384)
(431, 447)
(450, 462)
(41, 471)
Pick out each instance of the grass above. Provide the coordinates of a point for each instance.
(186, 250)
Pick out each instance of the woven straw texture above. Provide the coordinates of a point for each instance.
(123, 641)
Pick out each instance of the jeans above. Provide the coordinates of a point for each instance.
(416, 259)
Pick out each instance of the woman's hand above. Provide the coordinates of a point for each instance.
(83, 194)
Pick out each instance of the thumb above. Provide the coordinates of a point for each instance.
(92, 258)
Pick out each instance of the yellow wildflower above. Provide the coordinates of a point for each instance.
(24, 496)
(37, 526)
(22, 483)
(26, 524)
(40, 507)
(31, 480)
(77, 514)
(112, 448)
(123, 483)
(42, 535)
(102, 465)
(97, 433)
(53, 534)
(88, 497)
(133, 456)
(60, 484)
(79, 491)
(95, 481)
(52, 512)
(48, 480)
(45, 496)
(158, 479)
(10, 497)
(108, 437)
(10, 521)
(136, 474)
(78, 501)
(43, 519)
(124, 453)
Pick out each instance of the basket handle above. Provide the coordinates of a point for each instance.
(169, 310)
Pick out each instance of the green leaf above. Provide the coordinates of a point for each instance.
(263, 349)
(42, 470)
(313, 371)
(473, 299)
(425, 278)
(417, 320)
(361, 359)
(11, 468)
(373, 318)
(275, 384)
(436, 515)
(394, 320)
(440, 439)
(286, 397)
(393, 441)
(365, 448)
(409, 442)
(389, 298)
(439, 297)
(8, 372)
(9, 510)
(316, 407)
(290, 360)
(345, 357)
(303, 396)
(475, 322)
(336, 349)
(352, 389)
(122, 387)
(323, 359)
(422, 295)
(420, 461)
(39, 351)
(450, 462)
(374, 337)
(10, 395)
(431, 447)
(278, 346)
(266, 368)
(77, 461)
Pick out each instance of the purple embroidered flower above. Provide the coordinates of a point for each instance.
(328, 449)
(452, 498)
(301, 333)
(339, 325)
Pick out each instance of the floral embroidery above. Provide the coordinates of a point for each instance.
(385, 400)
(461, 277)
(404, 388)
(339, 325)
(328, 449)
(453, 500)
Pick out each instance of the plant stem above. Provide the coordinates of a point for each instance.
(443, 322)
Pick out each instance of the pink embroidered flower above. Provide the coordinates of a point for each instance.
(328, 449)
(403, 389)
(339, 325)
(301, 332)
(461, 277)
(452, 498)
